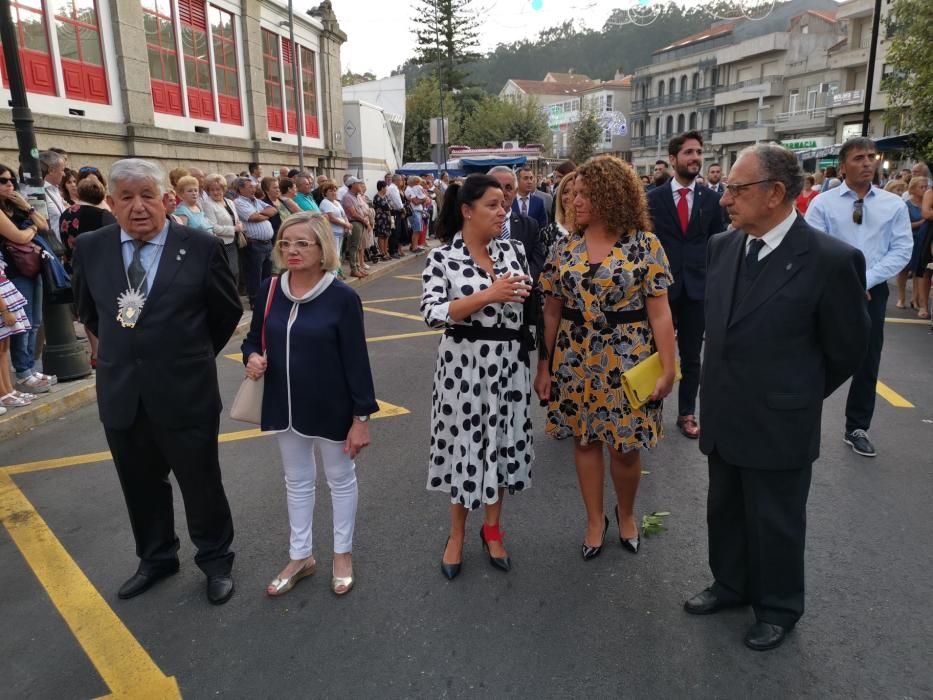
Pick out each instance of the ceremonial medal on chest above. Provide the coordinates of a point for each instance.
(129, 307)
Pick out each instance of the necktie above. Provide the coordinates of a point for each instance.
(524, 201)
(683, 209)
(752, 264)
(505, 235)
(136, 271)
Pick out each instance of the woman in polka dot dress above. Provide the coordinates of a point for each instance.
(474, 287)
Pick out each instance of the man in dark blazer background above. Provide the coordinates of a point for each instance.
(685, 215)
(527, 201)
(157, 389)
(785, 326)
(517, 226)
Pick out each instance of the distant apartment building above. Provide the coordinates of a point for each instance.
(205, 82)
(797, 76)
(564, 97)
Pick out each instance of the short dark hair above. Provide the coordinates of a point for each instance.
(676, 143)
(293, 172)
(380, 184)
(526, 169)
(565, 167)
(450, 219)
(251, 167)
(861, 143)
(286, 185)
(713, 165)
(661, 162)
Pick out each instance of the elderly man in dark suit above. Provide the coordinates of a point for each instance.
(785, 326)
(518, 226)
(163, 302)
(685, 215)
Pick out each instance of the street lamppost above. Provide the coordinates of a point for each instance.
(296, 87)
(440, 89)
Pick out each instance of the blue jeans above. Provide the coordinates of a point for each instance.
(258, 265)
(23, 345)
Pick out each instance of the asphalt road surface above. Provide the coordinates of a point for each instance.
(554, 627)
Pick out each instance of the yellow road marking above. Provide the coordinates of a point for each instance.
(915, 321)
(382, 301)
(397, 314)
(416, 278)
(386, 410)
(119, 658)
(401, 336)
(891, 396)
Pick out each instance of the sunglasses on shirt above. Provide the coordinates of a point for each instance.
(858, 211)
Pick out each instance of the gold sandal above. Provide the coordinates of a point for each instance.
(341, 581)
(281, 586)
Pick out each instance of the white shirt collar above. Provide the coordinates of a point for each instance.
(772, 239)
(676, 186)
(158, 240)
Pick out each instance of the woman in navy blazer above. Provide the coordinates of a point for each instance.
(318, 389)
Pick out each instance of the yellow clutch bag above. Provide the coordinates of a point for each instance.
(638, 383)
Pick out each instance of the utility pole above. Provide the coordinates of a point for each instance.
(296, 84)
(63, 356)
(440, 87)
(870, 76)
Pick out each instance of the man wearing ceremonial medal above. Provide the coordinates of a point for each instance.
(163, 302)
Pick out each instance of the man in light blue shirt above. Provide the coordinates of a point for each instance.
(255, 215)
(877, 223)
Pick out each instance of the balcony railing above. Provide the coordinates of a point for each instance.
(651, 140)
(801, 115)
(772, 80)
(675, 98)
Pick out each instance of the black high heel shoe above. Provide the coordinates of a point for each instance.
(450, 571)
(492, 533)
(589, 552)
(632, 544)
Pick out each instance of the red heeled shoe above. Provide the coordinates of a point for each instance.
(492, 533)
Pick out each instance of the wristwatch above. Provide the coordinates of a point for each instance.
(362, 419)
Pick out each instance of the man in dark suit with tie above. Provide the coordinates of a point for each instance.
(685, 215)
(163, 302)
(714, 178)
(527, 201)
(785, 326)
(518, 226)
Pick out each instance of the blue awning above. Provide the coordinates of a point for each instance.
(481, 164)
(453, 169)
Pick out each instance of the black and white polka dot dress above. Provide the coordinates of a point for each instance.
(480, 425)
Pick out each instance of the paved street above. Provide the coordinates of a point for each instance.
(554, 627)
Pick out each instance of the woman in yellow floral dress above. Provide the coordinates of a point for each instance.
(605, 310)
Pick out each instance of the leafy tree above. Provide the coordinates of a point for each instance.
(586, 134)
(421, 105)
(351, 78)
(495, 120)
(446, 31)
(910, 83)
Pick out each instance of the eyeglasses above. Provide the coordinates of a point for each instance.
(858, 211)
(736, 189)
(7, 180)
(301, 244)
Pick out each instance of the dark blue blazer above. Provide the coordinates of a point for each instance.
(318, 376)
(686, 253)
(536, 208)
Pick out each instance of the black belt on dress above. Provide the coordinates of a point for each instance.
(613, 318)
(474, 333)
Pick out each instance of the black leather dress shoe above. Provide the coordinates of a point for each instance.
(219, 589)
(142, 581)
(706, 603)
(763, 636)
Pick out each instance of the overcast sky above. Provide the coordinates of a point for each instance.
(380, 38)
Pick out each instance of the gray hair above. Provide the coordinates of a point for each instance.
(502, 169)
(302, 176)
(136, 169)
(778, 164)
(239, 182)
(48, 160)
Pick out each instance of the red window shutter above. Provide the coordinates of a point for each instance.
(287, 50)
(193, 13)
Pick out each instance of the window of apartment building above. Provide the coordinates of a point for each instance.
(309, 92)
(34, 53)
(671, 86)
(79, 47)
(693, 120)
(660, 88)
(792, 100)
(163, 56)
(192, 15)
(770, 69)
(608, 103)
(680, 123)
(740, 118)
(669, 125)
(695, 82)
(225, 65)
(273, 81)
(683, 83)
(743, 74)
(288, 75)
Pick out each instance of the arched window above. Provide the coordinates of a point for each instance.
(644, 91)
(672, 85)
(660, 88)
(657, 125)
(712, 119)
(670, 124)
(680, 124)
(683, 83)
(696, 81)
(693, 120)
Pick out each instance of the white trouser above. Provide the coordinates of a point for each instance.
(300, 474)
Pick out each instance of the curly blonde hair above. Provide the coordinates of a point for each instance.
(564, 216)
(616, 194)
